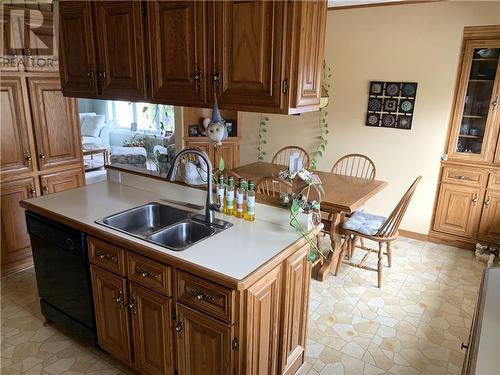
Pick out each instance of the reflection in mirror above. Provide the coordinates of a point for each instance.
(133, 135)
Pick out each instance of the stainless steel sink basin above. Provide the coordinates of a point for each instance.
(182, 235)
(164, 225)
(146, 219)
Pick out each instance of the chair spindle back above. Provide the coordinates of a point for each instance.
(282, 157)
(272, 186)
(355, 165)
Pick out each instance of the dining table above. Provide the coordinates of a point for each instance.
(342, 196)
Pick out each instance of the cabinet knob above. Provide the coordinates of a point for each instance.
(41, 156)
(494, 103)
(465, 346)
(101, 75)
(32, 192)
(216, 78)
(45, 189)
(197, 77)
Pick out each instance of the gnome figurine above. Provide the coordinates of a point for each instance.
(216, 130)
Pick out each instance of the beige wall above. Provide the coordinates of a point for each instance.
(420, 43)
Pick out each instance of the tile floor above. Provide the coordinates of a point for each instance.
(414, 324)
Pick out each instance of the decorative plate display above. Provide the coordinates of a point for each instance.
(375, 104)
(404, 122)
(388, 121)
(391, 104)
(376, 88)
(372, 119)
(409, 89)
(406, 106)
(392, 89)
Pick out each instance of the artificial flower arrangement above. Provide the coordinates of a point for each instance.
(304, 203)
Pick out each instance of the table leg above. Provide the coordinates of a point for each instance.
(333, 256)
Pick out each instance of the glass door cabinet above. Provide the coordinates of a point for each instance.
(475, 123)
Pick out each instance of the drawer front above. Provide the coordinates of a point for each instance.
(107, 256)
(494, 181)
(463, 175)
(149, 273)
(203, 295)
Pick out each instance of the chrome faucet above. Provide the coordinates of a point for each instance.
(210, 206)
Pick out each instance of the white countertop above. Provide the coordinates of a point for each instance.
(235, 252)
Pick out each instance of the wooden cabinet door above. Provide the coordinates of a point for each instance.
(496, 160)
(230, 152)
(203, 344)
(306, 51)
(204, 146)
(15, 147)
(77, 61)
(249, 53)
(15, 239)
(489, 228)
(178, 52)
(111, 310)
(297, 277)
(120, 45)
(262, 322)
(458, 210)
(55, 122)
(61, 181)
(152, 327)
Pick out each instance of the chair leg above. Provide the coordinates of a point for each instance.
(389, 254)
(352, 246)
(342, 254)
(361, 242)
(380, 266)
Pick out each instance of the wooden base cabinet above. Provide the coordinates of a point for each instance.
(489, 227)
(201, 326)
(229, 151)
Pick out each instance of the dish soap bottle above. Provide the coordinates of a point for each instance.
(250, 209)
(240, 196)
(220, 192)
(229, 196)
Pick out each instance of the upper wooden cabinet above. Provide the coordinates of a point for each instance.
(178, 45)
(475, 123)
(260, 56)
(249, 40)
(77, 49)
(120, 47)
(15, 148)
(102, 49)
(55, 124)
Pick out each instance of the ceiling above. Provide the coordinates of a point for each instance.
(343, 3)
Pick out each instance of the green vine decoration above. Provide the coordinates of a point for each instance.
(323, 120)
(262, 130)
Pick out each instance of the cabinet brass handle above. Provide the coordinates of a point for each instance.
(132, 305)
(487, 202)
(102, 255)
(120, 300)
(461, 177)
(197, 77)
(216, 78)
(494, 103)
(32, 192)
(146, 274)
(465, 346)
(102, 75)
(202, 296)
(474, 199)
(27, 157)
(45, 189)
(41, 156)
(179, 328)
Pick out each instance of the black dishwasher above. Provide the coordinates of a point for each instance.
(63, 276)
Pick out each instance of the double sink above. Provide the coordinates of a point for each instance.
(162, 225)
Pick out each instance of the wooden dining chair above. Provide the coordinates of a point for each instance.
(282, 157)
(376, 228)
(355, 165)
(273, 186)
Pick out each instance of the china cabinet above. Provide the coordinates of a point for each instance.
(467, 208)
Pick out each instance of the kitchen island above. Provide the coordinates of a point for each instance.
(234, 303)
